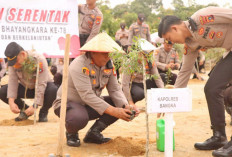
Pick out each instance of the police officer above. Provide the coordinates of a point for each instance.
(139, 29)
(90, 21)
(20, 79)
(167, 58)
(136, 92)
(207, 28)
(89, 74)
(122, 36)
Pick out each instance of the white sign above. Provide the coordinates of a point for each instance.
(40, 24)
(161, 100)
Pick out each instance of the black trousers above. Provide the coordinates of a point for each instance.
(78, 116)
(83, 38)
(164, 77)
(219, 78)
(137, 89)
(49, 96)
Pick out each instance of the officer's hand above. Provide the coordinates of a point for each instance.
(30, 111)
(172, 66)
(123, 114)
(133, 107)
(14, 108)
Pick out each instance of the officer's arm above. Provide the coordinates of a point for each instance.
(115, 91)
(96, 26)
(117, 36)
(215, 15)
(12, 90)
(186, 69)
(3, 71)
(42, 81)
(160, 65)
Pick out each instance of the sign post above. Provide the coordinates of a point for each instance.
(169, 101)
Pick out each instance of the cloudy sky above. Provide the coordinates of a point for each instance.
(167, 3)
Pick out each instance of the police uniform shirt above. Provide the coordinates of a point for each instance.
(3, 67)
(214, 29)
(163, 58)
(138, 78)
(86, 82)
(17, 76)
(137, 30)
(90, 21)
(123, 40)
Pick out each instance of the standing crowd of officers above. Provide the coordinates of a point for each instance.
(93, 71)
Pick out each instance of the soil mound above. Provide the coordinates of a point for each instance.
(12, 122)
(125, 146)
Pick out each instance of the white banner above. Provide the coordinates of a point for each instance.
(40, 24)
(161, 100)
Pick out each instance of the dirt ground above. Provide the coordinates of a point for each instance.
(129, 138)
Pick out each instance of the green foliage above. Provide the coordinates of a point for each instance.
(129, 18)
(110, 25)
(132, 62)
(139, 6)
(120, 10)
(168, 76)
(29, 66)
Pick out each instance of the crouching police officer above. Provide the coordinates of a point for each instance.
(167, 58)
(20, 79)
(89, 74)
(207, 28)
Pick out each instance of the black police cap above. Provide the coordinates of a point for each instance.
(141, 17)
(11, 52)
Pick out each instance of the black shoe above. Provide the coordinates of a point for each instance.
(225, 151)
(94, 134)
(43, 117)
(22, 116)
(73, 140)
(215, 142)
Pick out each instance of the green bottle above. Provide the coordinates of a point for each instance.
(160, 135)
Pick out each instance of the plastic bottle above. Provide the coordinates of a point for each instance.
(160, 135)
